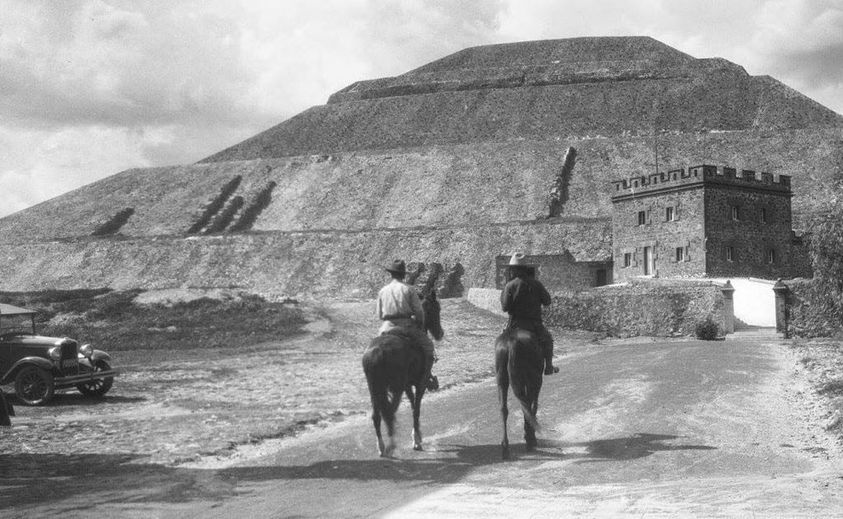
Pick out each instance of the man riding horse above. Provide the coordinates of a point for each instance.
(400, 309)
(522, 298)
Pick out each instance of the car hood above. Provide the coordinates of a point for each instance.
(35, 340)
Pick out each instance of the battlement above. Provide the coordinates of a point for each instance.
(698, 176)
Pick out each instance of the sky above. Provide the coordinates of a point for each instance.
(89, 88)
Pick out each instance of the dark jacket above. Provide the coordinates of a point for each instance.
(522, 299)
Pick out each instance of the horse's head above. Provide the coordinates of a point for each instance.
(432, 321)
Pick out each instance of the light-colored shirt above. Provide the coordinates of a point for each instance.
(398, 300)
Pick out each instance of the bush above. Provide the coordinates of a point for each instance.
(215, 205)
(113, 321)
(707, 330)
(115, 223)
(826, 248)
(253, 210)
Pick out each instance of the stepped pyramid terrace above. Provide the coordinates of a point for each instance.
(450, 166)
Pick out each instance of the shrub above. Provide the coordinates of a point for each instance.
(115, 322)
(254, 209)
(707, 330)
(215, 205)
(115, 223)
(826, 248)
(225, 217)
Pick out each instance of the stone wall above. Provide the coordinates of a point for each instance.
(649, 308)
(810, 310)
(560, 271)
(763, 227)
(642, 222)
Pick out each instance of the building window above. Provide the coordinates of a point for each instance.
(669, 214)
(763, 216)
(680, 254)
(771, 256)
(627, 259)
(642, 217)
(730, 253)
(736, 213)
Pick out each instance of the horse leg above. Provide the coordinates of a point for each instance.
(389, 448)
(529, 431)
(503, 392)
(415, 400)
(376, 420)
(529, 436)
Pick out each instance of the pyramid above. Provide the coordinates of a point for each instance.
(451, 164)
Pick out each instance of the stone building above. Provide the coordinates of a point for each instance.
(704, 222)
(561, 271)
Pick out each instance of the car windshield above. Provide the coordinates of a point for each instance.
(16, 324)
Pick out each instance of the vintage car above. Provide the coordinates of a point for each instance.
(38, 365)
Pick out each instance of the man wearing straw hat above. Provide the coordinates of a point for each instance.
(522, 298)
(399, 306)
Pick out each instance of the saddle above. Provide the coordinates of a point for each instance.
(522, 335)
(404, 334)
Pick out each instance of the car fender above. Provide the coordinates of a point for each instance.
(36, 361)
(100, 355)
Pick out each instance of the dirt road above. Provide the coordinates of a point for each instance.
(693, 429)
(635, 428)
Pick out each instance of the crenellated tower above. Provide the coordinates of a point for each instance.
(703, 221)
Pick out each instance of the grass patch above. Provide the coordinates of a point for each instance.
(112, 321)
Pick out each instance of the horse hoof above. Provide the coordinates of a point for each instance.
(417, 447)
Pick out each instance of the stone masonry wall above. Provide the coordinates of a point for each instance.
(812, 311)
(751, 238)
(664, 236)
(652, 308)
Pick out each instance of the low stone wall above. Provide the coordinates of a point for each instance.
(811, 310)
(653, 308)
(658, 308)
(486, 298)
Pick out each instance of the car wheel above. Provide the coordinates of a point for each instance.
(34, 385)
(97, 387)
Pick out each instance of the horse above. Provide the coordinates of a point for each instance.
(519, 363)
(393, 365)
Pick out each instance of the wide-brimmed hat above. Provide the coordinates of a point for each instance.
(397, 267)
(519, 260)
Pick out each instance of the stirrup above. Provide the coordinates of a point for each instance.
(432, 383)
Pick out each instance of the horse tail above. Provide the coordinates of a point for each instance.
(376, 380)
(518, 380)
(383, 396)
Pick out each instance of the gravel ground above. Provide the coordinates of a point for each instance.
(176, 407)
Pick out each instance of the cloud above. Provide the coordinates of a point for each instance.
(131, 84)
(41, 164)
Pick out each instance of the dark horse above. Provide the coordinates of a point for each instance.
(519, 363)
(394, 366)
